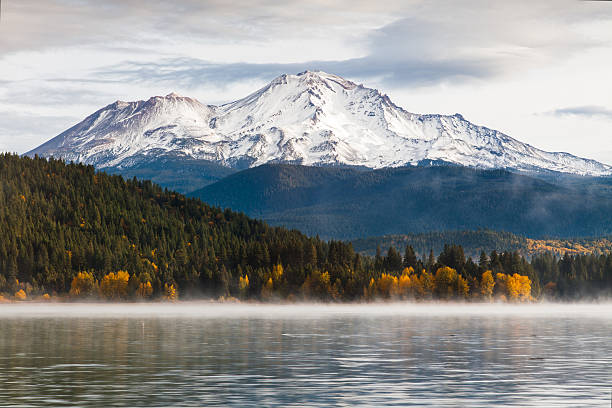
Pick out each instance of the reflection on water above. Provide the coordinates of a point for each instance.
(322, 359)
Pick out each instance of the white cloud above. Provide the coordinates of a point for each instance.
(588, 111)
(499, 64)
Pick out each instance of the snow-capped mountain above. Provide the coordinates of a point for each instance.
(312, 118)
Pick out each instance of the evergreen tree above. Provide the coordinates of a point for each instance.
(410, 258)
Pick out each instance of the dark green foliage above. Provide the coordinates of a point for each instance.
(58, 219)
(453, 256)
(410, 258)
(472, 242)
(574, 277)
(347, 203)
(477, 244)
(393, 260)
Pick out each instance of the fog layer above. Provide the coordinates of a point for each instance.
(210, 310)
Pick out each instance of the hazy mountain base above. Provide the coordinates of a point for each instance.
(345, 203)
(180, 174)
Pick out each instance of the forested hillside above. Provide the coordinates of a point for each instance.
(475, 242)
(348, 203)
(67, 230)
(175, 173)
(57, 220)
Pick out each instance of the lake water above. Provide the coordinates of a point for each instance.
(203, 354)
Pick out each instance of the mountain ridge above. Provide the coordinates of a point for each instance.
(312, 118)
(346, 203)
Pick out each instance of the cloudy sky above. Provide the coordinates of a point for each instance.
(536, 70)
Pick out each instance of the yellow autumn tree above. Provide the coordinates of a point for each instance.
(448, 284)
(512, 285)
(444, 282)
(501, 286)
(170, 293)
(370, 291)
(417, 287)
(83, 285)
(267, 289)
(318, 285)
(114, 286)
(277, 272)
(145, 290)
(387, 286)
(20, 295)
(405, 283)
(462, 287)
(487, 284)
(243, 285)
(525, 288)
(423, 285)
(519, 287)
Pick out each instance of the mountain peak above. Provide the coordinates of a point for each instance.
(311, 118)
(324, 76)
(310, 80)
(321, 74)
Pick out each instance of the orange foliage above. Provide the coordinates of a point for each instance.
(145, 290)
(448, 284)
(487, 284)
(115, 285)
(267, 289)
(387, 286)
(519, 287)
(423, 285)
(513, 287)
(444, 281)
(20, 295)
(83, 285)
(277, 272)
(463, 290)
(405, 283)
(243, 282)
(170, 293)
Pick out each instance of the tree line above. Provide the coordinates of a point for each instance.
(67, 230)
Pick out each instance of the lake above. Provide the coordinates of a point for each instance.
(206, 354)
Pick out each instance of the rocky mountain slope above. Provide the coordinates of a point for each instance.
(312, 118)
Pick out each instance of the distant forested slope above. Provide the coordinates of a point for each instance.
(475, 242)
(347, 203)
(180, 174)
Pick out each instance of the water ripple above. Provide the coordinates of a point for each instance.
(344, 360)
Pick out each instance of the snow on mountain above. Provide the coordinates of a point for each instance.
(312, 118)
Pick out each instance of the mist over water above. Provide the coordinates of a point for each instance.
(209, 309)
(203, 354)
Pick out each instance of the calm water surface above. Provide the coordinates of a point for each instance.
(200, 354)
